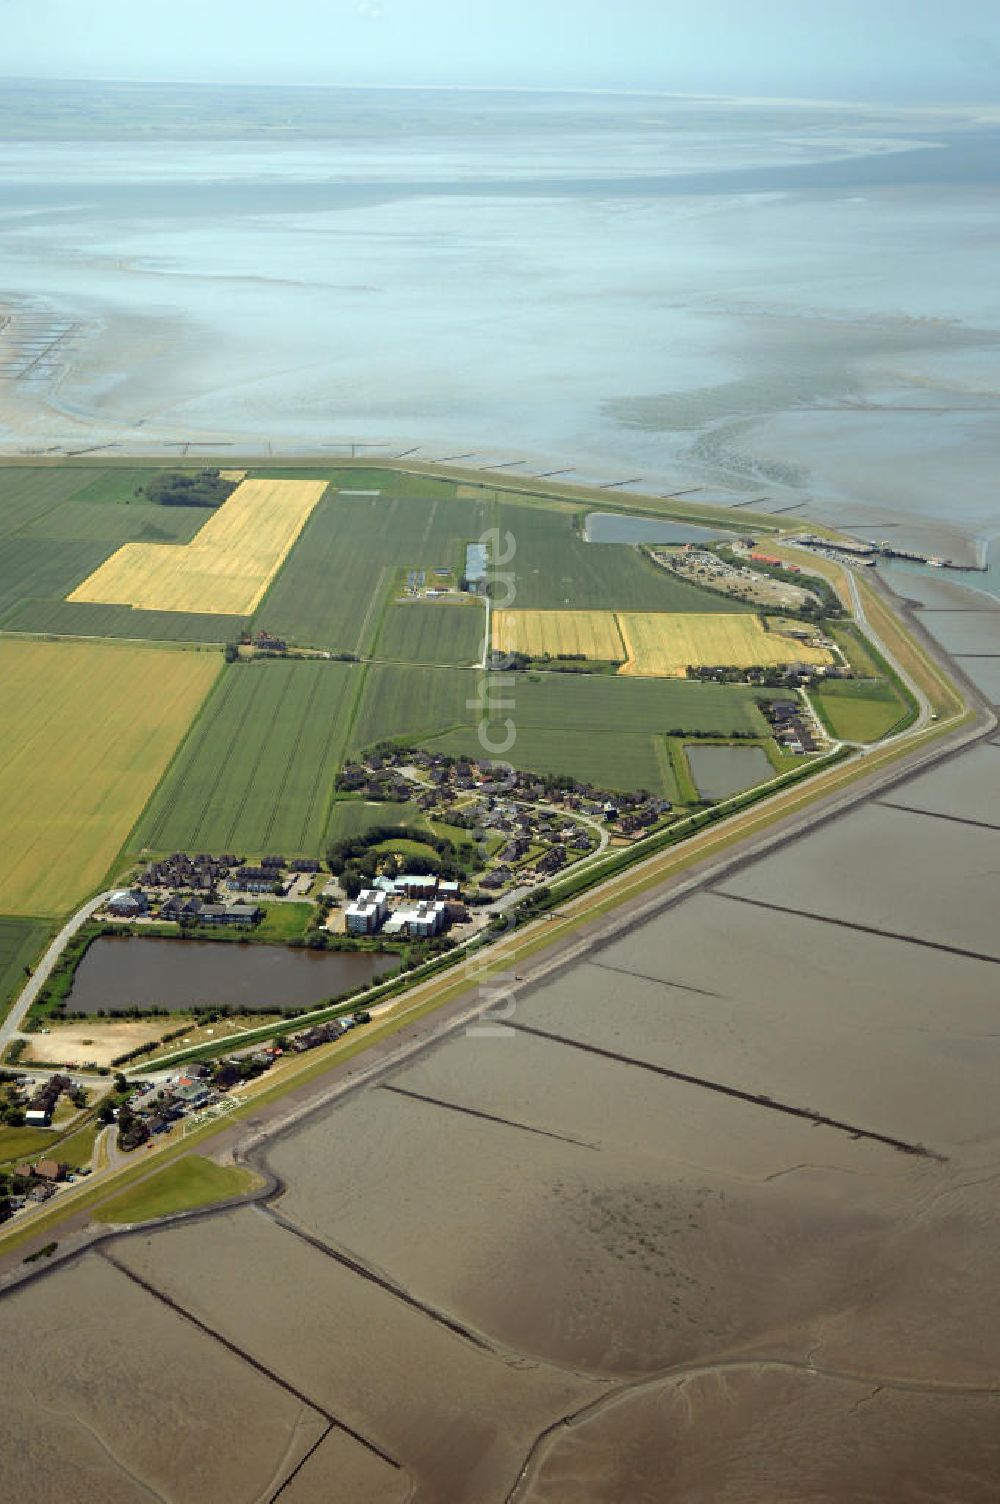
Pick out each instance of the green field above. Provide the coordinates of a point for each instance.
(356, 817)
(89, 522)
(336, 582)
(412, 703)
(178, 1187)
(91, 619)
(24, 1143)
(38, 567)
(117, 487)
(610, 759)
(55, 531)
(428, 632)
(21, 943)
(857, 710)
(596, 728)
(27, 492)
(255, 773)
(553, 567)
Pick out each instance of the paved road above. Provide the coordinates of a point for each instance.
(12, 1023)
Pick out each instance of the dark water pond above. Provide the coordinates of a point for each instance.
(151, 973)
(721, 771)
(616, 527)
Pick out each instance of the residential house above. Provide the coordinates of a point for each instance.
(128, 903)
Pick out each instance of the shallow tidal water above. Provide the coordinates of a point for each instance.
(679, 293)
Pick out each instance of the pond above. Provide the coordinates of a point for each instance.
(619, 527)
(719, 772)
(144, 972)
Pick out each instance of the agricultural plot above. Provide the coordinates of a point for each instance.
(115, 485)
(257, 771)
(21, 941)
(624, 762)
(334, 587)
(31, 567)
(27, 492)
(597, 728)
(554, 568)
(139, 522)
(428, 632)
(539, 634)
(225, 569)
(87, 619)
(85, 743)
(412, 704)
(665, 644)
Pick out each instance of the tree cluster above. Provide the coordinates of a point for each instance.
(357, 863)
(191, 488)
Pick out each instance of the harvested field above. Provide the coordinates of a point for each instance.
(655, 644)
(665, 643)
(541, 634)
(228, 565)
(257, 770)
(86, 742)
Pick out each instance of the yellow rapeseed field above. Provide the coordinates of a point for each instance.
(227, 566)
(593, 633)
(662, 644)
(89, 728)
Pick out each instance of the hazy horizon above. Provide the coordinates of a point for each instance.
(889, 50)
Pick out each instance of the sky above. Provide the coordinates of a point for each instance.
(901, 50)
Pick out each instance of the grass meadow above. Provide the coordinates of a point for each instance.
(857, 710)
